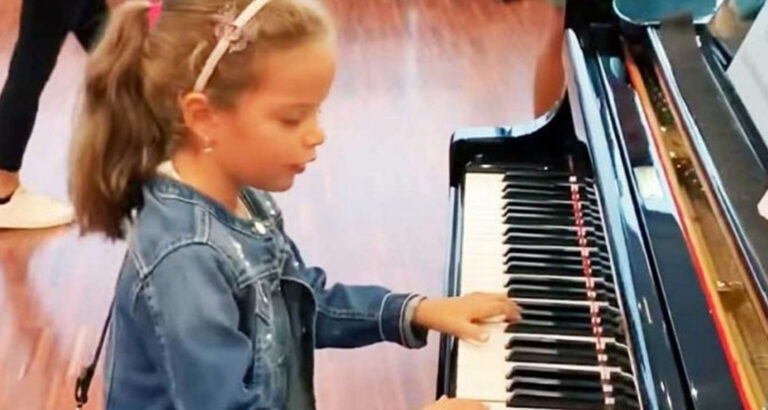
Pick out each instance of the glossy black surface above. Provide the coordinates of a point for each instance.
(554, 143)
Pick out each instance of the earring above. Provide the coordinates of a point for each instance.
(207, 149)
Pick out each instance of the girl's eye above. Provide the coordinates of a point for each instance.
(291, 122)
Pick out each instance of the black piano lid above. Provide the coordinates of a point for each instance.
(728, 143)
(635, 262)
(732, 152)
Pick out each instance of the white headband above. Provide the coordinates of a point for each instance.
(232, 34)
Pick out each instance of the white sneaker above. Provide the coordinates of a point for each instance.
(762, 207)
(27, 210)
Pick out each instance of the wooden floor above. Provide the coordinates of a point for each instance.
(372, 209)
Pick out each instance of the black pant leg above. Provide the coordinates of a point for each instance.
(90, 22)
(44, 26)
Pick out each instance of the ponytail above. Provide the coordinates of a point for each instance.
(119, 140)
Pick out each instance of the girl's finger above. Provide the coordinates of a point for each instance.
(513, 311)
(473, 333)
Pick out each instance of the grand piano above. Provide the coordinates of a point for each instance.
(625, 224)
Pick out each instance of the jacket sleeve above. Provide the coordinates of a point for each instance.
(355, 316)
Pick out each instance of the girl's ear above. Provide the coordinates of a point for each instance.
(199, 118)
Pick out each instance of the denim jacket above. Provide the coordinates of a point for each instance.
(213, 311)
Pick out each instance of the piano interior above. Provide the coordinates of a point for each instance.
(624, 223)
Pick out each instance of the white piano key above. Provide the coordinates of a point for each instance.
(494, 405)
(482, 264)
(480, 368)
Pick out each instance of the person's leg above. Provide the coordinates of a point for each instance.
(90, 23)
(41, 34)
(43, 27)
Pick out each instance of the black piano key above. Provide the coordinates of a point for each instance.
(564, 205)
(562, 193)
(508, 192)
(543, 291)
(623, 380)
(559, 375)
(517, 190)
(554, 381)
(533, 194)
(542, 219)
(560, 281)
(537, 384)
(542, 239)
(570, 249)
(526, 291)
(538, 399)
(533, 268)
(625, 403)
(556, 399)
(544, 313)
(544, 343)
(564, 231)
(551, 184)
(564, 262)
(569, 285)
(618, 357)
(568, 313)
(567, 234)
(553, 327)
(534, 217)
(609, 328)
(537, 220)
(626, 393)
(565, 328)
(621, 362)
(538, 267)
(562, 255)
(553, 356)
(543, 174)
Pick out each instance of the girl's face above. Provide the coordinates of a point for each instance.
(273, 131)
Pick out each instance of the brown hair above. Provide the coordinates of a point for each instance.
(130, 120)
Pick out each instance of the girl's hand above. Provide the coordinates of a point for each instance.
(456, 404)
(462, 316)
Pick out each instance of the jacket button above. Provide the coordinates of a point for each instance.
(303, 330)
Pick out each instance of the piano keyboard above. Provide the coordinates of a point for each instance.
(537, 235)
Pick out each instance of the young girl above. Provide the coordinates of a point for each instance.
(188, 121)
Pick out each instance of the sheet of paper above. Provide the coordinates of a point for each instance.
(749, 73)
